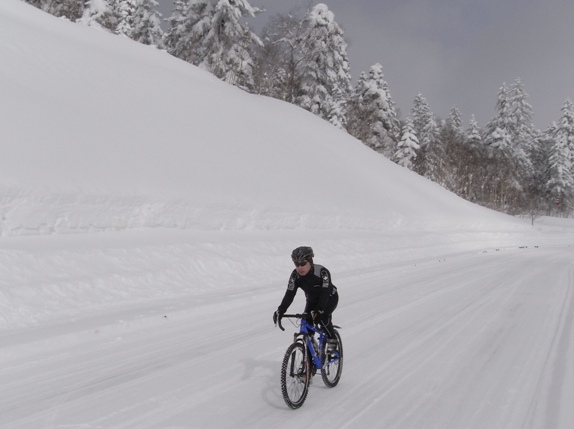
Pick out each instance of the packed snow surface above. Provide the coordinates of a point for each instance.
(148, 211)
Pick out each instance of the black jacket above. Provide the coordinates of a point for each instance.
(317, 286)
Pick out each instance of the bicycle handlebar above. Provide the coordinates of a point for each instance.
(290, 316)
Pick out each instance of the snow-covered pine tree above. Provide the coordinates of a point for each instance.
(520, 111)
(501, 120)
(100, 13)
(540, 157)
(407, 147)
(324, 67)
(372, 117)
(136, 19)
(125, 11)
(433, 151)
(523, 133)
(560, 181)
(500, 144)
(179, 40)
(429, 157)
(501, 186)
(452, 140)
(454, 123)
(146, 23)
(230, 43)
(560, 184)
(70, 9)
(502, 138)
(211, 34)
(512, 135)
(420, 114)
(473, 160)
(565, 128)
(473, 132)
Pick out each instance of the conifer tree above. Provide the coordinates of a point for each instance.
(540, 193)
(520, 112)
(522, 131)
(100, 13)
(70, 9)
(180, 41)
(407, 147)
(139, 20)
(565, 129)
(325, 73)
(433, 150)
(473, 132)
(561, 175)
(510, 138)
(560, 181)
(420, 114)
(125, 11)
(509, 174)
(211, 35)
(501, 121)
(430, 155)
(371, 114)
(454, 123)
(452, 141)
(474, 160)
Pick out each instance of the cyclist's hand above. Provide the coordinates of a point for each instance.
(316, 314)
(277, 316)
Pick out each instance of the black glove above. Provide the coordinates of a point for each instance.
(277, 316)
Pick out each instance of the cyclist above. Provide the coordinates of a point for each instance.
(320, 292)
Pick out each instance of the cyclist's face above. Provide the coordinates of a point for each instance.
(303, 270)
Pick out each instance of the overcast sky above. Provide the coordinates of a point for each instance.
(457, 52)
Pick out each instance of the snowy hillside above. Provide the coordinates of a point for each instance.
(148, 211)
(111, 134)
(101, 134)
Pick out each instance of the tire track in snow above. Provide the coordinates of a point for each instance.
(555, 368)
(479, 316)
(454, 321)
(162, 371)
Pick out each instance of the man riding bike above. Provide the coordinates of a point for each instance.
(320, 292)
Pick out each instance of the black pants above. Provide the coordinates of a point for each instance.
(326, 319)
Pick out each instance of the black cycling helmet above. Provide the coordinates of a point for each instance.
(302, 254)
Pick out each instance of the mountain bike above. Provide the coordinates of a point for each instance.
(304, 357)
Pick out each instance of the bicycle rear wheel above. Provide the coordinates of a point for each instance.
(295, 375)
(333, 366)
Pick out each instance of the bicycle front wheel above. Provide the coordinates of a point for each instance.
(295, 376)
(333, 366)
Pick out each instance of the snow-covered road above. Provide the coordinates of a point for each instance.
(474, 340)
(147, 215)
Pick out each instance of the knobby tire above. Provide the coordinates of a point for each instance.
(295, 375)
(333, 367)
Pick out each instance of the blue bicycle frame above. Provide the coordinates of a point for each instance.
(306, 331)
